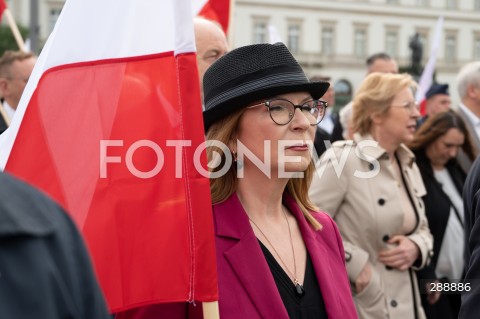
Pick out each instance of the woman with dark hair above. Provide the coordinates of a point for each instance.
(436, 145)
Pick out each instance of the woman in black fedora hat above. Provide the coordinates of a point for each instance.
(277, 257)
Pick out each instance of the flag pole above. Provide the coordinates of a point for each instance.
(230, 24)
(14, 28)
(210, 310)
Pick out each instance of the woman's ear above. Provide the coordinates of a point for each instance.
(377, 118)
(471, 88)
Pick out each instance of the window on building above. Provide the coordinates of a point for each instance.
(259, 32)
(451, 4)
(294, 38)
(477, 5)
(391, 45)
(476, 47)
(422, 3)
(360, 46)
(327, 41)
(450, 48)
(53, 17)
(392, 1)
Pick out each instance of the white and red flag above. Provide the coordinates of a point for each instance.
(216, 10)
(426, 79)
(108, 126)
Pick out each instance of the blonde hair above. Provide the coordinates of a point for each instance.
(375, 96)
(221, 188)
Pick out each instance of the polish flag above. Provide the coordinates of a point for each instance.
(426, 79)
(110, 126)
(216, 10)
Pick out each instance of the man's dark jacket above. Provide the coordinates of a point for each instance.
(471, 202)
(45, 271)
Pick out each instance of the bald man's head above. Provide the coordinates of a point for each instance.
(381, 62)
(211, 44)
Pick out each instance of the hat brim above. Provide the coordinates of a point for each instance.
(316, 90)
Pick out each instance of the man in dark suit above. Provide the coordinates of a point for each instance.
(468, 83)
(471, 200)
(325, 127)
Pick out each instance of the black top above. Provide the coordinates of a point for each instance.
(310, 305)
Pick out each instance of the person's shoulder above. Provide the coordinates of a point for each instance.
(24, 209)
(324, 219)
(472, 184)
(338, 148)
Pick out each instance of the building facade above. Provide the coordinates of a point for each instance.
(334, 37)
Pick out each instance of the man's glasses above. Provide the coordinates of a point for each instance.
(411, 106)
(282, 111)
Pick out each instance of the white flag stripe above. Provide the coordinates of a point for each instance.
(197, 6)
(273, 34)
(427, 76)
(76, 40)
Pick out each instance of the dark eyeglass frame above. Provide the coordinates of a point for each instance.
(267, 103)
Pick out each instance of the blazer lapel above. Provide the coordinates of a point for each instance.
(315, 245)
(470, 127)
(247, 260)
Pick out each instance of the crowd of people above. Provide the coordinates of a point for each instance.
(381, 224)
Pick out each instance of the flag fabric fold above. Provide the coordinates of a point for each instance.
(216, 10)
(108, 126)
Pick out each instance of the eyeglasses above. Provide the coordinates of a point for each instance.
(282, 111)
(411, 106)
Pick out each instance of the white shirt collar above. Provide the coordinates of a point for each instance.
(471, 116)
(9, 110)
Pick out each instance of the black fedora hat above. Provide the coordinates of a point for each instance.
(252, 73)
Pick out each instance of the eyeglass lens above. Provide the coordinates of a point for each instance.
(283, 111)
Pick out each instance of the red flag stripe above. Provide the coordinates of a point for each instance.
(141, 232)
(217, 10)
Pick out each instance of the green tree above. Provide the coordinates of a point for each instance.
(7, 41)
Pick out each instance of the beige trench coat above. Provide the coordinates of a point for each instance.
(365, 203)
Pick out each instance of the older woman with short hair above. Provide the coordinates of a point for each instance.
(436, 145)
(373, 188)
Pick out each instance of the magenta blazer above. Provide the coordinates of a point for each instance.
(247, 289)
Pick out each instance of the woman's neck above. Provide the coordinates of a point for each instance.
(385, 142)
(438, 167)
(261, 196)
